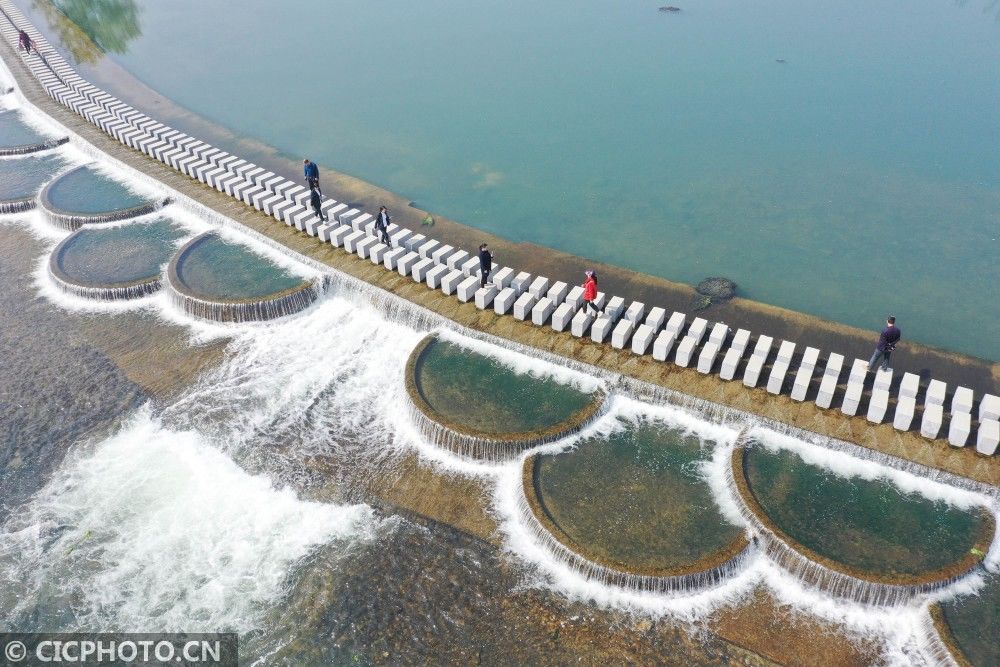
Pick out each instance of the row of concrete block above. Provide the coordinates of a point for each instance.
(545, 303)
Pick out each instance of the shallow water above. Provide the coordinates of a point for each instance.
(636, 497)
(481, 393)
(15, 132)
(222, 270)
(87, 190)
(871, 525)
(974, 621)
(120, 255)
(858, 176)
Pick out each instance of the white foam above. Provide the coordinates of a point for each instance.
(156, 529)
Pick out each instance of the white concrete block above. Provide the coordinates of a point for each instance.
(615, 307)
(467, 289)
(574, 297)
(855, 387)
(760, 353)
(803, 376)
(663, 344)
(427, 249)
(905, 407)
(414, 242)
(643, 338)
(338, 234)
(719, 333)
(962, 400)
(405, 263)
(730, 362)
(391, 259)
(471, 266)
(676, 322)
(989, 407)
(559, 291)
(958, 431)
(524, 304)
(562, 316)
(504, 301)
(883, 380)
(377, 253)
(451, 281)
(988, 437)
(930, 425)
(486, 295)
(457, 259)
(779, 368)
(831, 377)
(420, 269)
(623, 331)
(520, 282)
(363, 221)
(352, 240)
(655, 319)
(684, 351)
(635, 312)
(502, 277)
(582, 321)
(877, 407)
(542, 311)
(345, 217)
(442, 253)
(398, 237)
(706, 358)
(936, 391)
(364, 246)
(539, 286)
(435, 275)
(909, 385)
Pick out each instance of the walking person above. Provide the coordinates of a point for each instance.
(887, 341)
(485, 264)
(590, 292)
(382, 222)
(316, 203)
(24, 41)
(311, 172)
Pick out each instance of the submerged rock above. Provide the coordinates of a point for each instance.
(670, 8)
(713, 290)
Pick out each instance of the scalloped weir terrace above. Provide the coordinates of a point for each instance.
(623, 455)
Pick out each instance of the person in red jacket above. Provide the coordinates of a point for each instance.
(590, 292)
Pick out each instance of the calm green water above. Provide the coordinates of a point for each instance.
(636, 498)
(222, 271)
(480, 393)
(859, 177)
(975, 623)
(869, 525)
(25, 176)
(86, 190)
(15, 132)
(120, 255)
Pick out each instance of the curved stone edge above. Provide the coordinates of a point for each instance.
(270, 307)
(107, 292)
(17, 205)
(27, 149)
(73, 221)
(938, 641)
(836, 578)
(706, 572)
(464, 441)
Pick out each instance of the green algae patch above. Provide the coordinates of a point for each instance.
(867, 529)
(476, 395)
(634, 501)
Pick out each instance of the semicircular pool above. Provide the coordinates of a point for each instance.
(14, 131)
(87, 191)
(636, 501)
(23, 177)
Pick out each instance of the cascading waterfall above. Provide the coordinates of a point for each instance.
(73, 221)
(931, 643)
(26, 149)
(17, 205)
(250, 310)
(119, 293)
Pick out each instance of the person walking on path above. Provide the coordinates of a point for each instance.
(886, 344)
(382, 222)
(24, 41)
(316, 203)
(485, 264)
(312, 175)
(590, 292)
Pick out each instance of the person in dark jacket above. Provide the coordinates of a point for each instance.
(485, 264)
(316, 203)
(312, 175)
(590, 292)
(24, 41)
(886, 344)
(382, 222)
